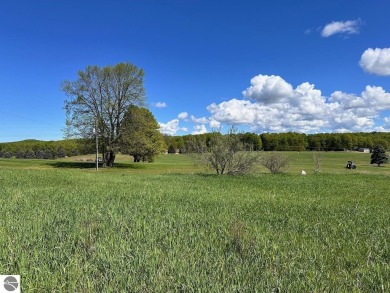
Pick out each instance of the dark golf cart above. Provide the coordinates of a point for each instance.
(350, 165)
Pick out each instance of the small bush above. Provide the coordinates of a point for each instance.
(275, 163)
(226, 154)
(171, 149)
(61, 153)
(48, 155)
(19, 154)
(8, 155)
(29, 154)
(39, 154)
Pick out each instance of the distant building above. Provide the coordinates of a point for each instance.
(364, 150)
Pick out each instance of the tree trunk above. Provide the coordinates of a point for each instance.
(109, 158)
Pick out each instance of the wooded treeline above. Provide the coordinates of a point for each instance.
(292, 141)
(36, 149)
(289, 141)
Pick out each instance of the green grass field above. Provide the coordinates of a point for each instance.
(170, 226)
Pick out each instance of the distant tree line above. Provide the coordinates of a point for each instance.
(290, 141)
(36, 149)
(140, 138)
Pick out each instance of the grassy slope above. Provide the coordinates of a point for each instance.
(167, 227)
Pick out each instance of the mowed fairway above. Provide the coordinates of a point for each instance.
(170, 226)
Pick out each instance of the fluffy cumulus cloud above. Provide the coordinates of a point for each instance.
(171, 127)
(341, 27)
(199, 129)
(371, 100)
(182, 115)
(235, 111)
(386, 123)
(262, 118)
(268, 89)
(214, 124)
(376, 61)
(303, 109)
(271, 104)
(199, 120)
(376, 97)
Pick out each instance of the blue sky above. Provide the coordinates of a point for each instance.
(263, 66)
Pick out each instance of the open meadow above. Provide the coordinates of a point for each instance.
(170, 226)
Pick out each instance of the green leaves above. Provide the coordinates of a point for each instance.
(379, 155)
(140, 135)
(102, 94)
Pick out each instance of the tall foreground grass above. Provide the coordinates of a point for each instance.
(76, 230)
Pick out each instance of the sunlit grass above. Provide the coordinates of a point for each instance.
(169, 226)
(331, 162)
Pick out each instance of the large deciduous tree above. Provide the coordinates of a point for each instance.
(100, 98)
(140, 135)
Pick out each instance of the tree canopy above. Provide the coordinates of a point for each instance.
(291, 141)
(140, 135)
(99, 99)
(379, 155)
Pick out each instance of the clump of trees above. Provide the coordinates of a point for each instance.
(225, 154)
(181, 144)
(292, 141)
(379, 156)
(289, 141)
(99, 98)
(35, 149)
(347, 141)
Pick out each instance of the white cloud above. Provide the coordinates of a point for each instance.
(308, 100)
(381, 129)
(262, 118)
(376, 98)
(371, 100)
(160, 105)
(214, 124)
(199, 129)
(341, 27)
(234, 112)
(305, 109)
(376, 61)
(170, 128)
(275, 106)
(199, 120)
(268, 89)
(386, 123)
(182, 115)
